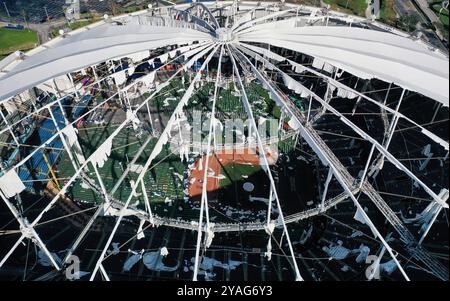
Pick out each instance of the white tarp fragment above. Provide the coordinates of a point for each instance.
(295, 86)
(216, 123)
(10, 105)
(45, 261)
(209, 235)
(100, 156)
(306, 235)
(139, 56)
(115, 250)
(268, 253)
(359, 216)
(130, 70)
(337, 252)
(173, 53)
(10, 184)
(298, 68)
(153, 261)
(131, 261)
(137, 168)
(320, 64)
(119, 77)
(148, 79)
(80, 274)
(61, 84)
(71, 134)
(342, 92)
(294, 124)
(389, 266)
(109, 210)
(135, 193)
(363, 253)
(270, 227)
(208, 264)
(246, 17)
(164, 57)
(140, 233)
(133, 118)
(426, 151)
(164, 252)
(426, 216)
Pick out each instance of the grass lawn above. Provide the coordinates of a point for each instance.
(76, 25)
(234, 172)
(444, 19)
(356, 7)
(443, 15)
(79, 24)
(13, 39)
(387, 12)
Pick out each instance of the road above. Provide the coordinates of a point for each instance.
(42, 29)
(430, 15)
(423, 4)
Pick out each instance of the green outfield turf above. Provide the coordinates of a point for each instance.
(165, 179)
(161, 180)
(237, 172)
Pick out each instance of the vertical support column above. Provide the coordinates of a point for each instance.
(376, 265)
(439, 105)
(280, 124)
(55, 87)
(76, 145)
(269, 207)
(128, 100)
(105, 275)
(95, 73)
(309, 109)
(150, 117)
(63, 112)
(430, 224)
(367, 166)
(119, 94)
(394, 121)
(101, 182)
(73, 85)
(147, 202)
(387, 93)
(326, 98)
(296, 139)
(325, 190)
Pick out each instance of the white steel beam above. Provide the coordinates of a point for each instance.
(264, 158)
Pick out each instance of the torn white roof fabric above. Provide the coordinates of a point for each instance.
(364, 53)
(90, 47)
(10, 184)
(100, 156)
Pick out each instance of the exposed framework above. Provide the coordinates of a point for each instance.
(336, 43)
